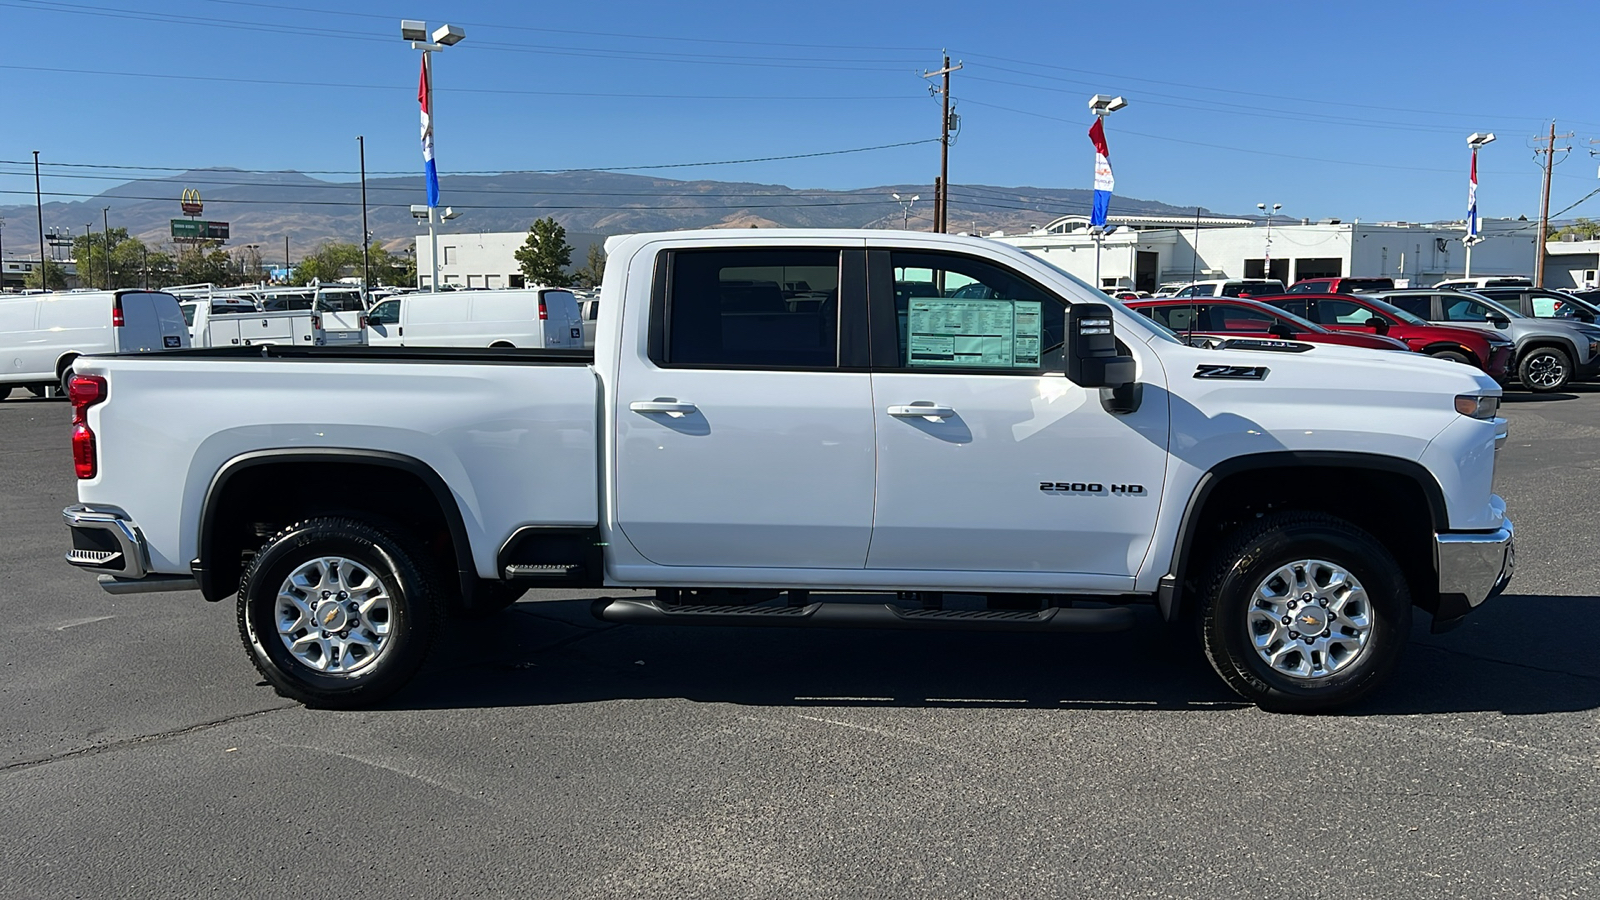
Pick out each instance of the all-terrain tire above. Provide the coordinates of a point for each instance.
(285, 596)
(1235, 619)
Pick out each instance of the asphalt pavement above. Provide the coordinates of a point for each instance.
(546, 754)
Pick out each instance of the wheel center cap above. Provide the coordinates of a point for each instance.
(331, 616)
(1310, 620)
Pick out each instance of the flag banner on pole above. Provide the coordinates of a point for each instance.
(1103, 182)
(1472, 198)
(425, 97)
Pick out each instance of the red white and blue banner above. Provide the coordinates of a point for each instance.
(1103, 182)
(425, 97)
(1472, 199)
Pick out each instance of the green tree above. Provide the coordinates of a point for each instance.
(545, 255)
(126, 264)
(1583, 228)
(199, 264)
(50, 277)
(387, 268)
(328, 263)
(594, 268)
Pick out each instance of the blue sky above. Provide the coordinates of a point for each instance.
(1350, 109)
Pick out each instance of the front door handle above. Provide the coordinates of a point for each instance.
(677, 407)
(921, 409)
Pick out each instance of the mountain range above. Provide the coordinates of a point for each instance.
(265, 207)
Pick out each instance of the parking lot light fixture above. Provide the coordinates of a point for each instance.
(415, 31)
(905, 207)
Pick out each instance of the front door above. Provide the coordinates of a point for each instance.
(383, 324)
(741, 440)
(989, 459)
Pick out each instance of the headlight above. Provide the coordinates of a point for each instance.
(1477, 407)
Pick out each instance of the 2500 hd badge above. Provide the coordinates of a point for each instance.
(1092, 487)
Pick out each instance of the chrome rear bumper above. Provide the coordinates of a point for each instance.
(105, 541)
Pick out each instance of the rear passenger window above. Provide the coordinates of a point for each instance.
(756, 308)
(1419, 306)
(957, 312)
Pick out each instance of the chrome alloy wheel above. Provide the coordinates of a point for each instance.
(1310, 619)
(333, 615)
(1546, 371)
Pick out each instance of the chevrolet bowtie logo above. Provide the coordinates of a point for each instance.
(332, 614)
(1308, 620)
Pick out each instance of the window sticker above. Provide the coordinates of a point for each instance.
(967, 332)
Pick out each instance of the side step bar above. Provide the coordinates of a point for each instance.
(865, 615)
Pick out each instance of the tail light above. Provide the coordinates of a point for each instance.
(543, 313)
(84, 391)
(116, 313)
(361, 321)
(316, 322)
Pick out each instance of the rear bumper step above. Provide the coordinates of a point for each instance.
(865, 615)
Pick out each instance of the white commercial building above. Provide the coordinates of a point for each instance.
(1145, 252)
(1572, 264)
(476, 260)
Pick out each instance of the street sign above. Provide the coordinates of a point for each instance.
(198, 230)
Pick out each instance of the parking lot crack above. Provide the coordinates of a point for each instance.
(125, 743)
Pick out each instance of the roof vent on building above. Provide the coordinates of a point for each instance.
(1327, 221)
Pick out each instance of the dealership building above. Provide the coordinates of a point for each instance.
(1144, 252)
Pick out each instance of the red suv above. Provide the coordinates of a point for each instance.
(1239, 317)
(1355, 313)
(1341, 285)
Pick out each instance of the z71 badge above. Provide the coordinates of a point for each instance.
(1232, 373)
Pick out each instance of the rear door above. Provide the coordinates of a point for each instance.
(744, 437)
(1011, 468)
(19, 316)
(563, 322)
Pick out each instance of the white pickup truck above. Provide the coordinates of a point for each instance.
(939, 432)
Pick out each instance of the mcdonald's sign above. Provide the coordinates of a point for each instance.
(191, 202)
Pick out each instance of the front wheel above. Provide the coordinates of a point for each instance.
(1544, 369)
(338, 614)
(1305, 613)
(1454, 356)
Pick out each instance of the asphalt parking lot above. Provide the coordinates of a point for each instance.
(550, 755)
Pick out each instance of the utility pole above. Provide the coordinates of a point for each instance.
(366, 236)
(38, 202)
(288, 270)
(1549, 152)
(941, 195)
(105, 217)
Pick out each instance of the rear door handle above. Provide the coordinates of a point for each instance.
(662, 406)
(921, 409)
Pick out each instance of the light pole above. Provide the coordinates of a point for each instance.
(1098, 232)
(444, 36)
(433, 216)
(1476, 141)
(1266, 267)
(105, 219)
(905, 206)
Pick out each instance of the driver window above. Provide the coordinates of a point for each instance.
(385, 313)
(953, 312)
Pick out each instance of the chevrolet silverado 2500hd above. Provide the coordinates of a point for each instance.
(772, 418)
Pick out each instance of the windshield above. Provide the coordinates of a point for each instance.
(1148, 323)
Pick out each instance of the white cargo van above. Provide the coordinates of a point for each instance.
(539, 318)
(41, 334)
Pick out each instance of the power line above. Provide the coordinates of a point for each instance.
(408, 90)
(865, 201)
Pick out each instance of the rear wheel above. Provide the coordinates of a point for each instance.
(1305, 613)
(338, 614)
(1544, 369)
(64, 377)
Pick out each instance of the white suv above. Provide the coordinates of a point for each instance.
(1242, 287)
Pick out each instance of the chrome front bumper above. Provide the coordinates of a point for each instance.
(106, 542)
(1474, 567)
